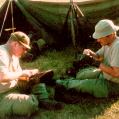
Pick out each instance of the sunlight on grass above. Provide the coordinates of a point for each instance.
(58, 61)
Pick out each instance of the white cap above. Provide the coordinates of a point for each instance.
(104, 28)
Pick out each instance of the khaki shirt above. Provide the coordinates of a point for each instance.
(8, 63)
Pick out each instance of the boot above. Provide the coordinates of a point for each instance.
(43, 98)
(68, 96)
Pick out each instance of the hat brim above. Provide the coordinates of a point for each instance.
(27, 46)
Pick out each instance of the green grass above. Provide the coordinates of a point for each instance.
(88, 107)
(58, 61)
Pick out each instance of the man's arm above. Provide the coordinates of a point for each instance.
(113, 71)
(8, 76)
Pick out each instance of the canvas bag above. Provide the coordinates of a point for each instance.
(18, 104)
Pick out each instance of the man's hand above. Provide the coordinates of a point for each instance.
(89, 52)
(93, 55)
(26, 74)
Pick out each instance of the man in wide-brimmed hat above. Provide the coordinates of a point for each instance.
(12, 76)
(106, 81)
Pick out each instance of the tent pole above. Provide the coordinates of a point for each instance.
(73, 30)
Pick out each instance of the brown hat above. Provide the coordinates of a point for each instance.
(22, 38)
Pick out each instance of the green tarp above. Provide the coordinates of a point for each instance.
(53, 20)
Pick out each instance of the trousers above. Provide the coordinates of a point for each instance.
(98, 86)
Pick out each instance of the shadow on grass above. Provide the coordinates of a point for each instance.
(86, 107)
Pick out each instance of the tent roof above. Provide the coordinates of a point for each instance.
(48, 17)
(66, 1)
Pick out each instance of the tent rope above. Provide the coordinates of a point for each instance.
(74, 14)
(12, 17)
(5, 16)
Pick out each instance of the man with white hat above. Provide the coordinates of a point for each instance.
(107, 82)
(105, 33)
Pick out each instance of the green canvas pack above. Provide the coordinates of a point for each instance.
(18, 104)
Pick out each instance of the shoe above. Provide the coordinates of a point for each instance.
(68, 96)
(51, 105)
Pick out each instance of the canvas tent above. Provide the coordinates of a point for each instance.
(58, 22)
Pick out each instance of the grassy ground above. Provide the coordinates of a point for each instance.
(58, 61)
(88, 107)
